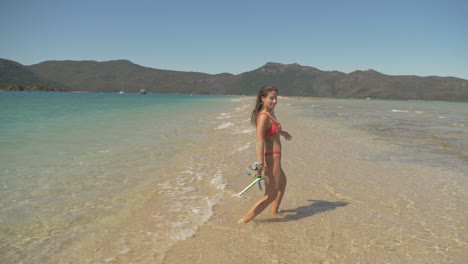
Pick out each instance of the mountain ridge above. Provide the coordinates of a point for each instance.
(17, 77)
(293, 80)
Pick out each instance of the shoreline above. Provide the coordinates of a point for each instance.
(339, 207)
(366, 183)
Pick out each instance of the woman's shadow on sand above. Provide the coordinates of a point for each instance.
(316, 207)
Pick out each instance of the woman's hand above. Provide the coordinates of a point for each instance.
(264, 168)
(286, 135)
(259, 170)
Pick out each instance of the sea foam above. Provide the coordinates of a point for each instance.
(224, 116)
(225, 125)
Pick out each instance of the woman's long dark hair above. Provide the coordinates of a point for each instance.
(263, 92)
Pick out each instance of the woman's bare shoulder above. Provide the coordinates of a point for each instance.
(262, 118)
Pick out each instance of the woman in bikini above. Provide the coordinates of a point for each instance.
(268, 152)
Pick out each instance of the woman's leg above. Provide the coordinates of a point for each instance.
(282, 187)
(271, 192)
(260, 205)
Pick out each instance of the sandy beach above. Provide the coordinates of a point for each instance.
(340, 206)
(369, 181)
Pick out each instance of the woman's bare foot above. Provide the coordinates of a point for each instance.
(242, 221)
(277, 214)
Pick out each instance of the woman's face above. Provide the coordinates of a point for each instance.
(270, 100)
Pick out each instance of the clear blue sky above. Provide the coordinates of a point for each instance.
(395, 37)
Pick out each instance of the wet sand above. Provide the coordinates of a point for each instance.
(339, 206)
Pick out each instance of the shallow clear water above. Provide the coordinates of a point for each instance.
(97, 178)
(368, 182)
(70, 160)
(432, 133)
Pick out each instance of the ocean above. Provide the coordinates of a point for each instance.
(73, 166)
(100, 178)
(431, 133)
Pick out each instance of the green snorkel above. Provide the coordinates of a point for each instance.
(251, 172)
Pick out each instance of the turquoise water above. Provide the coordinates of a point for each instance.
(69, 160)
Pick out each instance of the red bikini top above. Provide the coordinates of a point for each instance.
(271, 132)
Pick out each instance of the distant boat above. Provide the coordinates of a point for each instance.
(142, 91)
(121, 92)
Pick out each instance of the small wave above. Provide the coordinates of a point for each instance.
(188, 189)
(242, 108)
(194, 170)
(186, 202)
(225, 125)
(109, 259)
(180, 231)
(124, 249)
(240, 100)
(218, 181)
(165, 185)
(241, 148)
(458, 124)
(224, 116)
(198, 215)
(399, 111)
(244, 131)
(189, 171)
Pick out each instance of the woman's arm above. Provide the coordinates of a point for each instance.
(286, 135)
(260, 140)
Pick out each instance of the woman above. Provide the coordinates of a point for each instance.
(268, 152)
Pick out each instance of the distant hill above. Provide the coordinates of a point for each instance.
(14, 76)
(292, 79)
(297, 80)
(118, 75)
